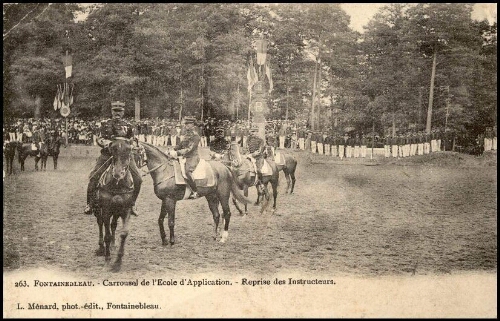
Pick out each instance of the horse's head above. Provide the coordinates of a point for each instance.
(234, 154)
(120, 149)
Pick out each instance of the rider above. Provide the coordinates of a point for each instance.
(220, 145)
(256, 147)
(114, 127)
(188, 148)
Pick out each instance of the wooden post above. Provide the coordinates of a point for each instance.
(431, 93)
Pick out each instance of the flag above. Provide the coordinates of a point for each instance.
(71, 95)
(68, 62)
(66, 94)
(269, 77)
(261, 51)
(55, 99)
(251, 75)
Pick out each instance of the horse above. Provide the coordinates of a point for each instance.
(25, 150)
(9, 152)
(161, 168)
(288, 168)
(245, 176)
(54, 144)
(113, 199)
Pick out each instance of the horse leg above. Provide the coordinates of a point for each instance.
(107, 234)
(292, 175)
(123, 236)
(213, 204)
(224, 201)
(237, 206)
(167, 208)
(37, 159)
(288, 180)
(100, 250)
(114, 224)
(266, 197)
(259, 191)
(245, 192)
(55, 161)
(274, 184)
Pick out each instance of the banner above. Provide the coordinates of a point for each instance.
(251, 76)
(56, 102)
(261, 51)
(68, 65)
(269, 77)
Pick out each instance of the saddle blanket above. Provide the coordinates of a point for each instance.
(279, 158)
(266, 169)
(203, 174)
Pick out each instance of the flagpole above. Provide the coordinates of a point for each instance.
(249, 102)
(66, 118)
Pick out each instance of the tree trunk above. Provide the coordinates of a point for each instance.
(38, 107)
(137, 108)
(431, 94)
(313, 97)
(393, 124)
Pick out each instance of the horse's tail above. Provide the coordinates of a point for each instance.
(237, 193)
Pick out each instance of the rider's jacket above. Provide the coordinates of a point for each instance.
(116, 128)
(188, 148)
(219, 145)
(255, 145)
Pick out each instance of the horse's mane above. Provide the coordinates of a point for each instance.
(156, 149)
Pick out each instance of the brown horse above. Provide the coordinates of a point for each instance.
(245, 176)
(288, 169)
(161, 168)
(25, 150)
(54, 145)
(113, 199)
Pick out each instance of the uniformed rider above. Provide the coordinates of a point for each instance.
(220, 145)
(114, 127)
(256, 147)
(188, 148)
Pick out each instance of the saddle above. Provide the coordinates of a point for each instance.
(107, 182)
(203, 175)
(278, 158)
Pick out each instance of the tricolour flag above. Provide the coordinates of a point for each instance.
(251, 76)
(55, 99)
(261, 51)
(68, 65)
(269, 77)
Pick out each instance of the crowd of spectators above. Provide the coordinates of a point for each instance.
(279, 134)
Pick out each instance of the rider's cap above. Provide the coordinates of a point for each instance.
(189, 120)
(118, 106)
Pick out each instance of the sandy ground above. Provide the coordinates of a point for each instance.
(378, 220)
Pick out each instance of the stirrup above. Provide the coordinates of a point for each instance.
(194, 196)
(134, 211)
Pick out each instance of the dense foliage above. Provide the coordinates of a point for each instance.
(175, 59)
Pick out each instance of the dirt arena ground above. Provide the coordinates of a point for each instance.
(427, 215)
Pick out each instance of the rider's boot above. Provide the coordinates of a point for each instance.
(192, 185)
(87, 210)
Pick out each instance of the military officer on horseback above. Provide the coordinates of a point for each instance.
(256, 147)
(220, 145)
(114, 127)
(188, 148)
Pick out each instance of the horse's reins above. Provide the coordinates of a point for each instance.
(100, 167)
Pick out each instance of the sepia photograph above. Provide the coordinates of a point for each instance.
(249, 160)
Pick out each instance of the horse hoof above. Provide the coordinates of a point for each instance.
(99, 252)
(107, 259)
(116, 267)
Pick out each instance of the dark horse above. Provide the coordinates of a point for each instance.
(113, 199)
(54, 145)
(161, 168)
(25, 150)
(288, 169)
(10, 151)
(245, 176)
